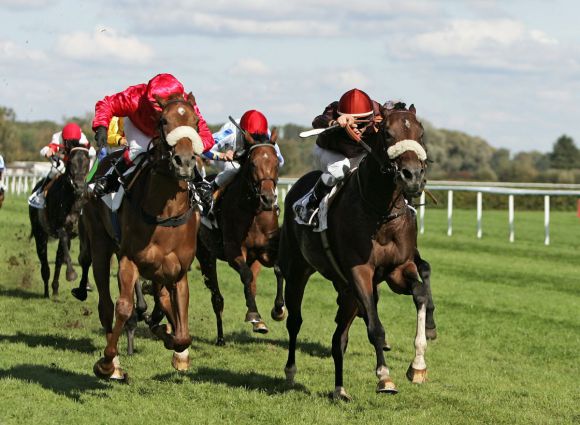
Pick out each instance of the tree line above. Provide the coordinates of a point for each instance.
(455, 154)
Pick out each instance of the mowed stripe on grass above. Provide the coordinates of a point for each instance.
(507, 317)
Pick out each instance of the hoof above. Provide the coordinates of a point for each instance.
(220, 342)
(416, 376)
(180, 361)
(103, 370)
(79, 294)
(387, 346)
(340, 394)
(259, 327)
(71, 276)
(279, 315)
(290, 374)
(386, 386)
(431, 334)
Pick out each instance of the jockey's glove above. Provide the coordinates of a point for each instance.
(101, 136)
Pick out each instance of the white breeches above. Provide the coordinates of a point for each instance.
(333, 165)
(136, 139)
(229, 171)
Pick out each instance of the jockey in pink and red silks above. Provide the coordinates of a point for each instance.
(141, 112)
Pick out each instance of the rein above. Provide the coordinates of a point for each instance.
(255, 185)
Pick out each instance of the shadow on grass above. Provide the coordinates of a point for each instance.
(248, 381)
(20, 293)
(69, 384)
(313, 349)
(81, 345)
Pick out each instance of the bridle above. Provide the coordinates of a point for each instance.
(255, 186)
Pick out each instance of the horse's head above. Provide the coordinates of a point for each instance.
(179, 141)
(402, 137)
(77, 166)
(263, 165)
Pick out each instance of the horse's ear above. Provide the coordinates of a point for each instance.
(160, 101)
(274, 135)
(249, 139)
(412, 108)
(191, 98)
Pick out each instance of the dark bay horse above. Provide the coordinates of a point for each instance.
(60, 216)
(248, 234)
(379, 244)
(159, 221)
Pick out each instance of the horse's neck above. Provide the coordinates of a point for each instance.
(377, 188)
(164, 195)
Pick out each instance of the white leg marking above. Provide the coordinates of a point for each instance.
(184, 355)
(383, 373)
(420, 340)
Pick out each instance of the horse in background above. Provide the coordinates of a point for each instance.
(158, 221)
(60, 216)
(380, 245)
(248, 234)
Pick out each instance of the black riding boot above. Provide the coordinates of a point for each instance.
(205, 191)
(306, 213)
(111, 181)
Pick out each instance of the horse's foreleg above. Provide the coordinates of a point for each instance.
(417, 372)
(258, 325)
(85, 261)
(247, 276)
(179, 295)
(363, 278)
(41, 240)
(57, 266)
(64, 239)
(347, 309)
(141, 304)
(425, 273)
(128, 275)
(207, 262)
(279, 311)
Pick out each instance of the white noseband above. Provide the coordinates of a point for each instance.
(188, 132)
(404, 146)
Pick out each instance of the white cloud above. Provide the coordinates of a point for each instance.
(10, 51)
(103, 45)
(497, 43)
(24, 4)
(250, 67)
(347, 79)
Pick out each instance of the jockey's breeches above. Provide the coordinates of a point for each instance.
(230, 169)
(333, 165)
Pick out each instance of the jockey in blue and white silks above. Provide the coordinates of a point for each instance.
(2, 169)
(229, 140)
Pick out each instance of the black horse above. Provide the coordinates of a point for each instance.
(371, 238)
(59, 219)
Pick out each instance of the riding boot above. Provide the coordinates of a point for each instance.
(306, 212)
(112, 180)
(36, 199)
(205, 191)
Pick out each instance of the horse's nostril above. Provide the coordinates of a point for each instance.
(407, 175)
(177, 160)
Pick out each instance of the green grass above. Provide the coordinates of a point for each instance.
(507, 316)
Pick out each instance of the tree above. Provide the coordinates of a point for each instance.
(9, 146)
(565, 154)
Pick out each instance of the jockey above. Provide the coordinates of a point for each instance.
(141, 112)
(230, 140)
(335, 151)
(56, 151)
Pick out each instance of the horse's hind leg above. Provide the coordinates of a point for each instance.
(207, 263)
(296, 274)
(347, 309)
(279, 311)
(425, 273)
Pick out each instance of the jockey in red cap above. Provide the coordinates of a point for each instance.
(335, 151)
(58, 148)
(229, 140)
(141, 112)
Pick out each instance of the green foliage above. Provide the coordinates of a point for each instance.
(565, 154)
(506, 351)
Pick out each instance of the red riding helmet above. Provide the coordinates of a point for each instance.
(162, 85)
(355, 102)
(71, 131)
(254, 122)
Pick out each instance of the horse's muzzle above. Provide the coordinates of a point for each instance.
(412, 179)
(183, 166)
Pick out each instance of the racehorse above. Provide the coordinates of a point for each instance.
(247, 235)
(158, 221)
(380, 245)
(2, 195)
(59, 218)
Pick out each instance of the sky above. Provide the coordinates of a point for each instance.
(506, 71)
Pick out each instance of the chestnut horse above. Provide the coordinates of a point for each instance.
(379, 245)
(60, 217)
(248, 233)
(159, 222)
